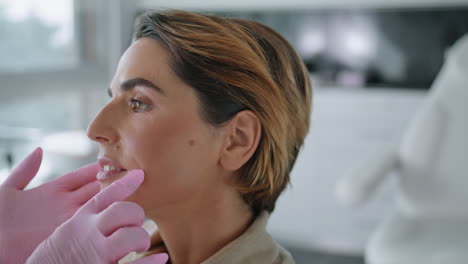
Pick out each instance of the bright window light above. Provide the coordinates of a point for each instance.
(37, 35)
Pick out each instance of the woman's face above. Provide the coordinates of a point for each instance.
(152, 122)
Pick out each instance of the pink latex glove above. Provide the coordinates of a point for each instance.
(104, 230)
(28, 217)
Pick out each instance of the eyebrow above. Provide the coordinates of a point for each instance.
(131, 83)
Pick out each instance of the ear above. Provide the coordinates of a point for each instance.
(241, 140)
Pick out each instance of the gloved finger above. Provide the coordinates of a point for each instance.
(117, 191)
(82, 176)
(161, 258)
(120, 214)
(25, 171)
(126, 240)
(83, 194)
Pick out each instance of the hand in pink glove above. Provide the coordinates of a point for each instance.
(28, 217)
(104, 230)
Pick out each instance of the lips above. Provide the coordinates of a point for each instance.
(109, 169)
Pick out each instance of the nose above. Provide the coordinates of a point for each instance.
(103, 129)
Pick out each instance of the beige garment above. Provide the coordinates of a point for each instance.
(255, 245)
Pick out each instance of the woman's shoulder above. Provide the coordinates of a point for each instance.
(254, 246)
(284, 257)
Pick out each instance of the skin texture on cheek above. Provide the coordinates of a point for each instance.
(165, 148)
(167, 155)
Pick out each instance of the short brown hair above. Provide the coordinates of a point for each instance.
(235, 65)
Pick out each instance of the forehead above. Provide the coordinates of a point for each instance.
(145, 58)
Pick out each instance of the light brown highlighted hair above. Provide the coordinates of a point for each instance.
(235, 65)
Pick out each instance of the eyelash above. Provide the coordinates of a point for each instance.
(134, 103)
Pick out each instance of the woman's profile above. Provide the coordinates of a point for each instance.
(214, 111)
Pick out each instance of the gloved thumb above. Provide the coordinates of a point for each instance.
(152, 259)
(25, 171)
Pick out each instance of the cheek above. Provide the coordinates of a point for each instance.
(175, 157)
(163, 145)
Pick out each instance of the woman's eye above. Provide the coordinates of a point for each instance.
(137, 105)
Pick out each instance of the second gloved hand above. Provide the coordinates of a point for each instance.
(104, 230)
(27, 217)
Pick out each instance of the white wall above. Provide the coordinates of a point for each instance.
(347, 126)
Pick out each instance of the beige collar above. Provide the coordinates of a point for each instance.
(255, 245)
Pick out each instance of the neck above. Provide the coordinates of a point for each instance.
(198, 230)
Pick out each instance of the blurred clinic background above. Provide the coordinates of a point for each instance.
(382, 174)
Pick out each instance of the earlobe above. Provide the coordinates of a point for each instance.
(242, 139)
